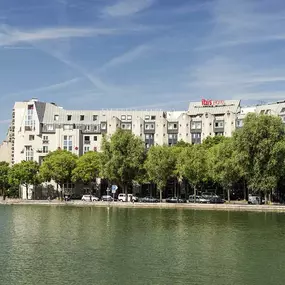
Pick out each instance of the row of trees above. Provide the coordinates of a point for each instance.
(253, 156)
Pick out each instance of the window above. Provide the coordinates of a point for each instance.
(45, 149)
(95, 138)
(172, 139)
(67, 143)
(219, 124)
(68, 127)
(69, 117)
(146, 117)
(152, 117)
(126, 126)
(149, 126)
(196, 138)
(56, 117)
(123, 117)
(103, 126)
(31, 137)
(86, 149)
(239, 123)
(129, 117)
(262, 112)
(87, 139)
(219, 134)
(149, 140)
(45, 139)
(50, 127)
(95, 117)
(87, 128)
(29, 122)
(81, 117)
(29, 153)
(282, 110)
(196, 125)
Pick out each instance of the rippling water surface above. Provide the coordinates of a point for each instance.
(82, 245)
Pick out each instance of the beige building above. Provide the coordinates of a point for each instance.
(39, 127)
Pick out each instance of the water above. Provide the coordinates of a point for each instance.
(88, 245)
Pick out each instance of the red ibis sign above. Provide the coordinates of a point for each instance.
(212, 102)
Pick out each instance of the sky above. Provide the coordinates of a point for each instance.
(142, 54)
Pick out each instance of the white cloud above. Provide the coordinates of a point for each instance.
(243, 22)
(10, 36)
(125, 57)
(53, 87)
(127, 7)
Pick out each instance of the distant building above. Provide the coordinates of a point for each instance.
(39, 127)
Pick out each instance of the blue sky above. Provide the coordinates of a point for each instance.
(94, 54)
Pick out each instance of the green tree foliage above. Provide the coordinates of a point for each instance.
(4, 177)
(160, 166)
(87, 167)
(122, 158)
(192, 164)
(224, 164)
(212, 141)
(25, 173)
(58, 166)
(261, 143)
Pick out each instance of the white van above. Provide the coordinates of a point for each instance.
(131, 198)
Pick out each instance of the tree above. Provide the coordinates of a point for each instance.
(4, 177)
(212, 141)
(192, 164)
(160, 166)
(87, 167)
(224, 164)
(122, 158)
(25, 173)
(259, 142)
(58, 166)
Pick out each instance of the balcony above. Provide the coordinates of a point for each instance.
(45, 141)
(86, 141)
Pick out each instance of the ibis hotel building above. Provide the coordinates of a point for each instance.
(40, 127)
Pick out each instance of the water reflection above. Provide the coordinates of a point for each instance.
(88, 245)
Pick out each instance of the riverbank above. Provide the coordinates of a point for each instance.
(218, 207)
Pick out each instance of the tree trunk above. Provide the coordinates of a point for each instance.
(245, 196)
(160, 195)
(27, 192)
(195, 193)
(4, 193)
(260, 198)
(229, 194)
(126, 192)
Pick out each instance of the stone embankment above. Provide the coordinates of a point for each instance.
(218, 207)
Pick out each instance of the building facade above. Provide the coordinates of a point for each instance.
(39, 127)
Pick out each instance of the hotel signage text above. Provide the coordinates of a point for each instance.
(212, 102)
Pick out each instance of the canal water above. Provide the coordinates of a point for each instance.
(91, 245)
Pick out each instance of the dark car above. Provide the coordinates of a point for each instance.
(216, 200)
(149, 199)
(175, 200)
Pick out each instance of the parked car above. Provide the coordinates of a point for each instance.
(216, 200)
(254, 200)
(199, 199)
(107, 198)
(175, 200)
(89, 198)
(149, 199)
(131, 198)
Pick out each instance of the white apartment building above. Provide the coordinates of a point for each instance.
(39, 127)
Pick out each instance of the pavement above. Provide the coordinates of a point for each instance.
(241, 206)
